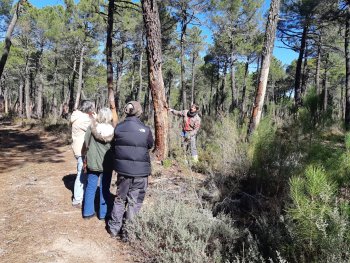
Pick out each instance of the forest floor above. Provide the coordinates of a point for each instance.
(37, 220)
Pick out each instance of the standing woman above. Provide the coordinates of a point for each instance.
(80, 121)
(99, 162)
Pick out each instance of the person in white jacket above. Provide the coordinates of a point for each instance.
(80, 121)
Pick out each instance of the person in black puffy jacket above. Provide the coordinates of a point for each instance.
(132, 142)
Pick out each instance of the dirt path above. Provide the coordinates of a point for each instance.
(37, 221)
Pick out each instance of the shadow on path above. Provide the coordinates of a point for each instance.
(19, 146)
(68, 181)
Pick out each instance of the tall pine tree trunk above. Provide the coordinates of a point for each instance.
(39, 97)
(138, 96)
(182, 73)
(109, 60)
(80, 80)
(265, 65)
(297, 85)
(71, 85)
(120, 68)
(325, 85)
(318, 64)
(20, 98)
(233, 79)
(39, 103)
(156, 84)
(27, 91)
(244, 89)
(8, 35)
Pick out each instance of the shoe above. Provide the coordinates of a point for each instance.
(89, 217)
(111, 233)
(78, 205)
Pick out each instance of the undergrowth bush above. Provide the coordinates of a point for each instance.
(318, 219)
(170, 230)
(223, 148)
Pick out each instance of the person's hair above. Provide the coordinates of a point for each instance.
(86, 106)
(195, 105)
(133, 108)
(104, 116)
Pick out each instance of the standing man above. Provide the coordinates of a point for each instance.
(133, 140)
(80, 121)
(190, 126)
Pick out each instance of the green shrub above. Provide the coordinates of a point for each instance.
(263, 148)
(167, 163)
(222, 148)
(317, 217)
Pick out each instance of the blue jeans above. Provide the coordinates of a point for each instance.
(80, 182)
(90, 191)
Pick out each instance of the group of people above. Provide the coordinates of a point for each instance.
(100, 148)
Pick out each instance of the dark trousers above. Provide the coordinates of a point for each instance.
(131, 192)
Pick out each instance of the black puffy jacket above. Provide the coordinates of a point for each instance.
(132, 142)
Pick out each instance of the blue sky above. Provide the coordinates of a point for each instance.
(281, 53)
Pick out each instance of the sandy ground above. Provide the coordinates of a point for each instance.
(37, 221)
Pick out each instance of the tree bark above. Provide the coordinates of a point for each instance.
(297, 85)
(325, 86)
(223, 90)
(233, 79)
(270, 35)
(27, 91)
(9, 32)
(20, 99)
(71, 86)
(182, 77)
(156, 84)
(244, 89)
(39, 97)
(80, 80)
(119, 74)
(109, 60)
(39, 104)
(347, 67)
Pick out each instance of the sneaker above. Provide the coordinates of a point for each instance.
(111, 233)
(89, 217)
(77, 205)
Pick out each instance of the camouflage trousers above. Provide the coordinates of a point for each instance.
(131, 192)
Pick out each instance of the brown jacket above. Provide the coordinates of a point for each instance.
(193, 122)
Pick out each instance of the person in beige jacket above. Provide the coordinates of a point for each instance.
(80, 121)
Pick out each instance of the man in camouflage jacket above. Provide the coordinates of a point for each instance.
(190, 126)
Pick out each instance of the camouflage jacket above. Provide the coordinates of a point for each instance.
(189, 124)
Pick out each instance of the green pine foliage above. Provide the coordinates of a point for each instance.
(318, 219)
